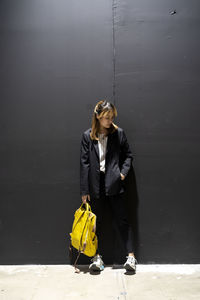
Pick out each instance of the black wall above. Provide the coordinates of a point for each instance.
(57, 59)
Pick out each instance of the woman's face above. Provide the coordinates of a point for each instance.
(106, 120)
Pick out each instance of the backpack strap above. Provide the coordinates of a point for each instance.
(79, 252)
(75, 267)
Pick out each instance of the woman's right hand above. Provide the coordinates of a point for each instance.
(85, 197)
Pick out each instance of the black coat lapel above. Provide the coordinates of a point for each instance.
(109, 143)
(96, 147)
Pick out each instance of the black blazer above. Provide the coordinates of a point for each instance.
(118, 160)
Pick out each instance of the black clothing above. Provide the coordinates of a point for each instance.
(116, 205)
(118, 160)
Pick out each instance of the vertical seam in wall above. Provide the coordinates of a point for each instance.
(114, 6)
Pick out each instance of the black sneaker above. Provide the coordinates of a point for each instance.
(130, 264)
(97, 263)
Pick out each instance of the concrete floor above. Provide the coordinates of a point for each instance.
(60, 282)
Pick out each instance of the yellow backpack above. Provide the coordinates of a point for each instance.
(83, 235)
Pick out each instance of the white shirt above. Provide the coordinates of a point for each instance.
(102, 144)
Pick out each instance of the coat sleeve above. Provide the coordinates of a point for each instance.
(127, 156)
(84, 165)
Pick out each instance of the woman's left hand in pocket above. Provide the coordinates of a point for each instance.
(122, 176)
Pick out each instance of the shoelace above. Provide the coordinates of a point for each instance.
(132, 259)
(95, 258)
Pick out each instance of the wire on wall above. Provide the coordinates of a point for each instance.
(114, 7)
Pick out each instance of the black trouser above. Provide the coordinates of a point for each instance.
(118, 211)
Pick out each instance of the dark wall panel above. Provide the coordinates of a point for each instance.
(158, 92)
(56, 62)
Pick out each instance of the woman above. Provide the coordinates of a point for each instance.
(105, 160)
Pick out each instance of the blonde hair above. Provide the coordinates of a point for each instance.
(102, 108)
